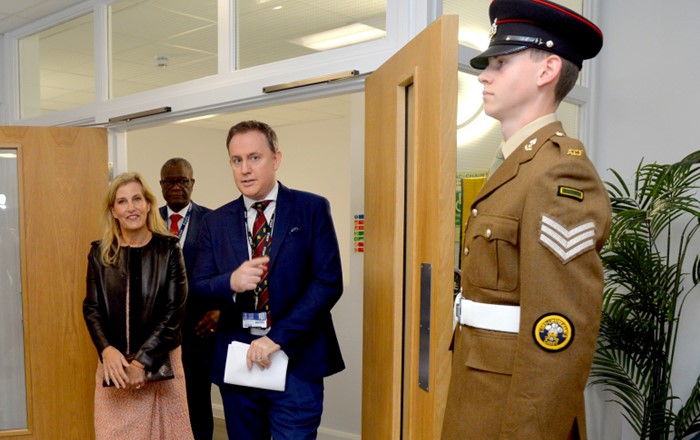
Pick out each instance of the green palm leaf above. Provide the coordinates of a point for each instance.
(645, 290)
(688, 419)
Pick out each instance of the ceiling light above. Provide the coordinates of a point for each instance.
(196, 118)
(475, 39)
(339, 37)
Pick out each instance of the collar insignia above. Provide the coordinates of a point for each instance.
(530, 144)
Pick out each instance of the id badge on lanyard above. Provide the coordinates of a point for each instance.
(255, 320)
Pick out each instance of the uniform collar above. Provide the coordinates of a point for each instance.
(519, 137)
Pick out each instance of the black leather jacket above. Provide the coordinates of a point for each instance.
(158, 293)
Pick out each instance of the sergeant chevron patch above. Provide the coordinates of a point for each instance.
(565, 243)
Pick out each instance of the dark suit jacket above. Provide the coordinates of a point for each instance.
(305, 281)
(196, 306)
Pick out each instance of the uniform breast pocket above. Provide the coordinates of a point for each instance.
(492, 261)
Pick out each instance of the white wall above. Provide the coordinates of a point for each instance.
(316, 157)
(647, 107)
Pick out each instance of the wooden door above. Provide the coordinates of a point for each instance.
(63, 177)
(410, 173)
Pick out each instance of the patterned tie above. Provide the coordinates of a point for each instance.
(174, 220)
(261, 243)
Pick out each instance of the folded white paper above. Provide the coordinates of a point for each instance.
(237, 373)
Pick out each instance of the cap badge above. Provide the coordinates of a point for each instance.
(574, 152)
(553, 332)
(494, 29)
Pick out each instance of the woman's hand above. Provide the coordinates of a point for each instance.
(114, 364)
(136, 373)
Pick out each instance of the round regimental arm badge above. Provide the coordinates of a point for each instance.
(553, 332)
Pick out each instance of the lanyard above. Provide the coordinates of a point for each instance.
(268, 235)
(184, 224)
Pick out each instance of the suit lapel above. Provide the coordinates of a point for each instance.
(192, 225)
(284, 212)
(236, 235)
(524, 153)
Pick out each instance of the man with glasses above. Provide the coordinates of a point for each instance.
(184, 218)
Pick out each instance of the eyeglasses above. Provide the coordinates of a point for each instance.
(169, 183)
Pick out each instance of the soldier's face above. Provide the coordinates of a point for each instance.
(511, 86)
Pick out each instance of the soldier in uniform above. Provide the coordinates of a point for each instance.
(532, 280)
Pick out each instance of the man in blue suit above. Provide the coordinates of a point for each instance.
(184, 218)
(300, 262)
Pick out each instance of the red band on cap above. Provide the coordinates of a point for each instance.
(576, 16)
(515, 21)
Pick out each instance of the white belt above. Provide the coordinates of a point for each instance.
(500, 318)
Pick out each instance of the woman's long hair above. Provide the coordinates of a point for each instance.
(109, 246)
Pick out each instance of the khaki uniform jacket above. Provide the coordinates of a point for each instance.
(533, 239)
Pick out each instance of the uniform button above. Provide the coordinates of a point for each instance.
(488, 233)
(474, 212)
(466, 251)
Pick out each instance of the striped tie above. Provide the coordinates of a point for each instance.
(261, 243)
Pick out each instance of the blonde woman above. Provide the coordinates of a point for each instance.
(134, 307)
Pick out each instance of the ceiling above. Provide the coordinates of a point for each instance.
(162, 42)
(17, 13)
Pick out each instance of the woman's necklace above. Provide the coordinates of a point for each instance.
(135, 241)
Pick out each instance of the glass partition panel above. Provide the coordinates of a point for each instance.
(273, 30)
(13, 397)
(57, 68)
(156, 43)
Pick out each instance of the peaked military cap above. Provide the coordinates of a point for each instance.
(522, 24)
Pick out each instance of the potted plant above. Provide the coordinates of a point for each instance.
(651, 265)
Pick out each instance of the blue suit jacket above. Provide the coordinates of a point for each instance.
(305, 281)
(196, 307)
